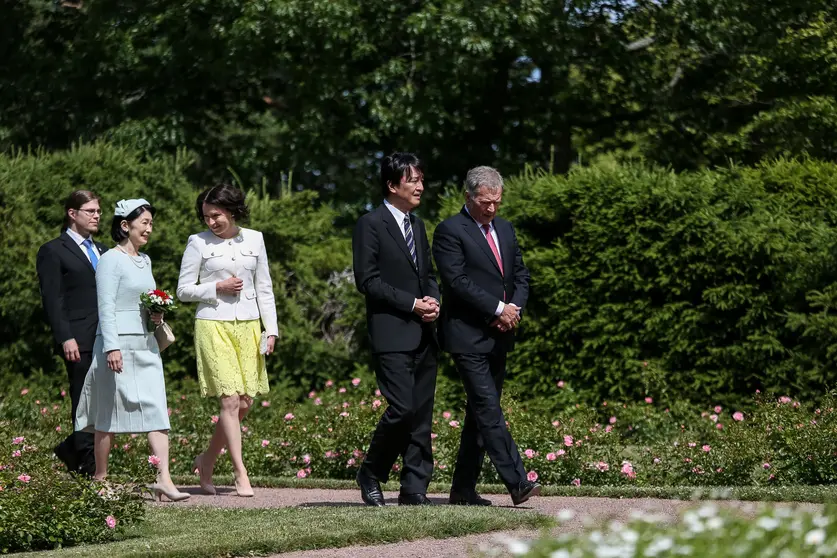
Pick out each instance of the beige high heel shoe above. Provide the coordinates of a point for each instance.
(244, 493)
(159, 491)
(197, 468)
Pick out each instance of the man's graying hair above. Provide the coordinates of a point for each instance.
(482, 177)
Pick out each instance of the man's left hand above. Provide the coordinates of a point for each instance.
(435, 313)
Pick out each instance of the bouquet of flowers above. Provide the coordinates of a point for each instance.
(156, 301)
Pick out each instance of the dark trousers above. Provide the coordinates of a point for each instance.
(76, 451)
(485, 428)
(408, 381)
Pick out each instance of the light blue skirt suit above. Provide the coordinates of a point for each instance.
(134, 400)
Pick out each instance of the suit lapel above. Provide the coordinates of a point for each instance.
(473, 229)
(75, 249)
(394, 230)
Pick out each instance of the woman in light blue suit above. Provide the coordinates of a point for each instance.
(125, 391)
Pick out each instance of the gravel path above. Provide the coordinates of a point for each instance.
(587, 510)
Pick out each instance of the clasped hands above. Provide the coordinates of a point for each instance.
(427, 308)
(508, 319)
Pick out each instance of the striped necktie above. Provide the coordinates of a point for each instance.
(411, 242)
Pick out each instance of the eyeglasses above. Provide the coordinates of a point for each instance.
(91, 212)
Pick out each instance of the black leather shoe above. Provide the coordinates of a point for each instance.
(67, 456)
(413, 500)
(370, 489)
(467, 499)
(525, 490)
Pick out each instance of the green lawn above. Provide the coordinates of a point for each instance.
(201, 532)
(799, 493)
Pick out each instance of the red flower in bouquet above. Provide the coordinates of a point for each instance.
(157, 301)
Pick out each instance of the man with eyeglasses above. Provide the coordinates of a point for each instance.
(67, 274)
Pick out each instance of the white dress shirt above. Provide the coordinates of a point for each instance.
(80, 241)
(209, 259)
(493, 232)
(399, 218)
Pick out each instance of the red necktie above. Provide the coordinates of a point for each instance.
(493, 246)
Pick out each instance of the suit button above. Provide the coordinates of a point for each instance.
(212, 254)
(230, 243)
(233, 259)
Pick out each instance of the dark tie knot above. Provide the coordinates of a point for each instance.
(486, 228)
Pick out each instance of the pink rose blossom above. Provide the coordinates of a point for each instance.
(649, 400)
(289, 416)
(532, 476)
(556, 424)
(687, 460)
(560, 452)
(766, 465)
(214, 419)
(110, 521)
(376, 403)
(153, 460)
(345, 404)
(645, 363)
(718, 408)
(713, 418)
(454, 423)
(341, 390)
(265, 403)
(446, 415)
(24, 391)
(608, 428)
(378, 392)
(576, 482)
(628, 470)
(344, 414)
(433, 435)
(692, 444)
(18, 440)
(318, 401)
(568, 441)
(738, 415)
(126, 447)
(395, 467)
(719, 470)
(301, 474)
(355, 382)
(58, 428)
(784, 399)
(529, 453)
(16, 453)
(24, 478)
(561, 384)
(63, 393)
(719, 426)
(602, 466)
(551, 457)
(265, 443)
(306, 459)
(312, 394)
(350, 462)
(707, 448)
(656, 460)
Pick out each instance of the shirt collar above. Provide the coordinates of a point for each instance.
(75, 236)
(480, 225)
(397, 213)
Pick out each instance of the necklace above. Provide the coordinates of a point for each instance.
(139, 261)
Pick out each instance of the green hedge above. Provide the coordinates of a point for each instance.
(705, 286)
(306, 255)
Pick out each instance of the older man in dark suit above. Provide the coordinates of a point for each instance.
(393, 269)
(67, 274)
(485, 286)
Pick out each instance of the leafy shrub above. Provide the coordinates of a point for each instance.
(44, 507)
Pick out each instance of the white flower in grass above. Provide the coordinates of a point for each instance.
(515, 546)
(657, 546)
(560, 553)
(821, 521)
(783, 511)
(815, 537)
(708, 510)
(616, 551)
(715, 523)
(767, 523)
(629, 536)
(684, 550)
(566, 515)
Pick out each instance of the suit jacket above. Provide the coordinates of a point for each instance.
(68, 291)
(472, 285)
(386, 275)
(209, 259)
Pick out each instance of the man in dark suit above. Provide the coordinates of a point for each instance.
(67, 274)
(393, 269)
(485, 286)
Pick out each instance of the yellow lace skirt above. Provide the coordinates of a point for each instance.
(229, 360)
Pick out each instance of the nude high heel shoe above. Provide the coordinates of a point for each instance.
(243, 492)
(197, 468)
(159, 491)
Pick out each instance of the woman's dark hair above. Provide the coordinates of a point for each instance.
(75, 201)
(225, 196)
(393, 168)
(116, 232)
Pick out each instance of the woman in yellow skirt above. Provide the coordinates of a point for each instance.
(225, 270)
